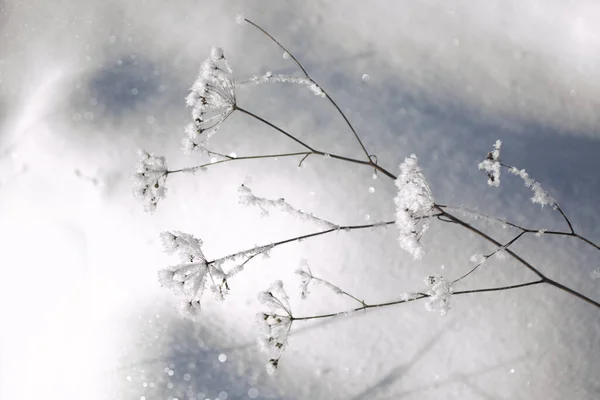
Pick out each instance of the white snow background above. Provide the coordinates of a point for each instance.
(84, 84)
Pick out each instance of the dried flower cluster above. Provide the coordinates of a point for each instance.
(275, 324)
(491, 165)
(189, 278)
(212, 98)
(149, 179)
(440, 292)
(414, 204)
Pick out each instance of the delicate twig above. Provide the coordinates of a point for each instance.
(516, 226)
(418, 296)
(307, 236)
(520, 259)
(257, 157)
(274, 127)
(311, 79)
(487, 256)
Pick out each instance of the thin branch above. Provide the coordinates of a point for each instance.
(274, 127)
(486, 257)
(307, 236)
(490, 239)
(311, 79)
(197, 167)
(520, 259)
(411, 299)
(516, 226)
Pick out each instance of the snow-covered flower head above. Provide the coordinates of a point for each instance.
(414, 203)
(491, 165)
(149, 179)
(212, 98)
(275, 324)
(439, 294)
(189, 278)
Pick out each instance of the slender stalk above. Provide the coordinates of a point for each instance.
(418, 297)
(230, 159)
(307, 236)
(274, 127)
(486, 257)
(313, 81)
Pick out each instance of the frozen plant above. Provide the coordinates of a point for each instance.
(491, 165)
(248, 198)
(213, 99)
(275, 323)
(190, 277)
(414, 206)
(149, 179)
(439, 294)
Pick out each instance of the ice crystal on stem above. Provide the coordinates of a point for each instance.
(491, 165)
(149, 180)
(269, 77)
(439, 294)
(540, 195)
(189, 278)
(275, 324)
(248, 198)
(414, 204)
(212, 98)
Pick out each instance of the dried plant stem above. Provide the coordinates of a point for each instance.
(420, 296)
(313, 81)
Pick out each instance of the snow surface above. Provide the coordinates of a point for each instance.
(83, 85)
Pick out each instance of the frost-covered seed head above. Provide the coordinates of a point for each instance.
(149, 179)
(491, 165)
(190, 277)
(439, 294)
(275, 324)
(212, 98)
(414, 203)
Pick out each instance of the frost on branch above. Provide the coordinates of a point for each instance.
(491, 165)
(540, 195)
(275, 324)
(414, 205)
(149, 180)
(189, 278)
(248, 198)
(212, 98)
(439, 294)
(269, 77)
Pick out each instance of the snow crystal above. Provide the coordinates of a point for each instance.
(366, 78)
(240, 18)
(414, 203)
